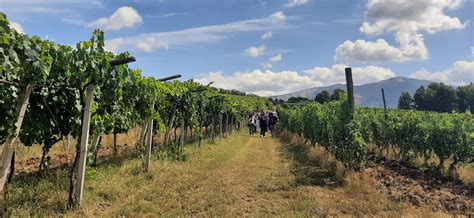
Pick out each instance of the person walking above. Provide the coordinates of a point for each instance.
(252, 124)
(263, 125)
(272, 121)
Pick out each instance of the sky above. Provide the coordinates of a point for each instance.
(268, 47)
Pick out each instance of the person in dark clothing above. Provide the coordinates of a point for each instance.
(272, 121)
(252, 124)
(263, 125)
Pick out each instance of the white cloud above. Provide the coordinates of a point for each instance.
(124, 17)
(472, 51)
(410, 16)
(407, 19)
(268, 83)
(255, 51)
(278, 17)
(412, 47)
(275, 59)
(293, 3)
(267, 65)
(361, 75)
(150, 44)
(198, 35)
(17, 27)
(267, 35)
(461, 73)
(264, 83)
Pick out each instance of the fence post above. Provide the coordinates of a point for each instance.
(350, 89)
(149, 143)
(83, 147)
(9, 146)
(384, 104)
(201, 117)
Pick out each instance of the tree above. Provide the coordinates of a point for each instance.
(420, 99)
(297, 99)
(405, 101)
(322, 97)
(466, 97)
(336, 94)
(437, 97)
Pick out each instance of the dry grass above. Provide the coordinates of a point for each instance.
(239, 176)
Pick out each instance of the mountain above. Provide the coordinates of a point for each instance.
(369, 95)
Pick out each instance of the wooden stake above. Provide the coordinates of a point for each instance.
(213, 129)
(384, 104)
(183, 129)
(221, 130)
(350, 89)
(149, 143)
(170, 124)
(201, 117)
(141, 138)
(9, 146)
(83, 147)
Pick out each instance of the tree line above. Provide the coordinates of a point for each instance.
(439, 97)
(321, 98)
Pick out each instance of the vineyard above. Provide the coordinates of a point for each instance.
(52, 94)
(51, 91)
(409, 134)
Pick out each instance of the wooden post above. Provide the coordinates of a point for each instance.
(83, 147)
(115, 143)
(221, 130)
(183, 130)
(149, 143)
(226, 124)
(170, 124)
(95, 143)
(350, 89)
(384, 104)
(141, 138)
(201, 117)
(9, 146)
(213, 129)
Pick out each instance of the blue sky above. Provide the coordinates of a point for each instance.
(269, 47)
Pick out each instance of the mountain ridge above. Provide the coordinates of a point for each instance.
(368, 95)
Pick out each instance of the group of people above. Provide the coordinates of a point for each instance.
(266, 122)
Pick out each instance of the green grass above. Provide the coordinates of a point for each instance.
(237, 176)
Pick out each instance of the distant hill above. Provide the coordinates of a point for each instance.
(368, 95)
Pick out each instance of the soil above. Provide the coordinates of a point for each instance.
(403, 182)
(31, 165)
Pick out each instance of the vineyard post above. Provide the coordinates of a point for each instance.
(213, 129)
(201, 117)
(384, 104)
(182, 133)
(170, 123)
(141, 138)
(9, 146)
(83, 147)
(350, 89)
(226, 124)
(221, 130)
(149, 143)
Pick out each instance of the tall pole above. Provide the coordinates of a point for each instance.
(149, 143)
(384, 104)
(83, 147)
(350, 89)
(200, 124)
(9, 146)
